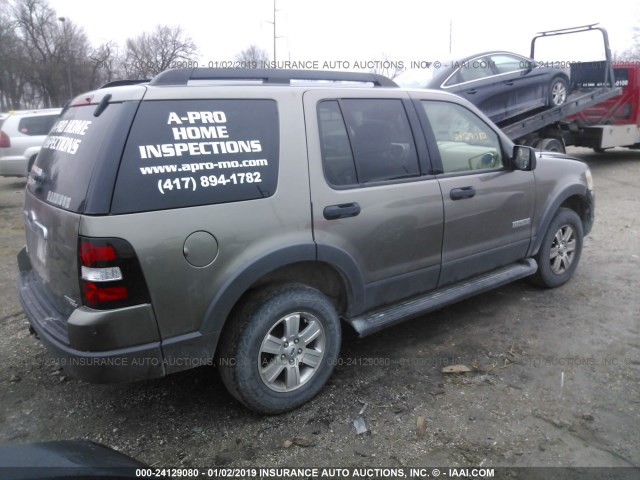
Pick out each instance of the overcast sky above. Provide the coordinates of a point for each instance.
(356, 30)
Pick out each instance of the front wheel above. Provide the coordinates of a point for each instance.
(280, 348)
(560, 250)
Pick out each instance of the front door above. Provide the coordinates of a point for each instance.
(488, 207)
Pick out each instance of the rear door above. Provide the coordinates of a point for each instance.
(376, 211)
(487, 206)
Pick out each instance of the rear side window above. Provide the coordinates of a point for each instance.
(198, 152)
(39, 125)
(366, 140)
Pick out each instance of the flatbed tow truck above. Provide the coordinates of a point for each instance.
(603, 110)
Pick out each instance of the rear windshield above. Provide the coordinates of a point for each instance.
(198, 152)
(79, 148)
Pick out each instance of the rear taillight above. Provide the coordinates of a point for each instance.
(110, 274)
(5, 142)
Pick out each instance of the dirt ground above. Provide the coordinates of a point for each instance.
(555, 377)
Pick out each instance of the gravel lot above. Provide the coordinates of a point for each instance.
(555, 377)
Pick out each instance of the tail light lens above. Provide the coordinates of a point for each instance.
(5, 142)
(110, 274)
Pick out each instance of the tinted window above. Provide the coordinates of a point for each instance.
(508, 63)
(475, 69)
(373, 132)
(198, 152)
(339, 167)
(39, 125)
(78, 144)
(465, 141)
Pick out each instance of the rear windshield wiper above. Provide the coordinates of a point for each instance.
(102, 106)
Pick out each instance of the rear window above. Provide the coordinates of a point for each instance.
(38, 125)
(198, 152)
(81, 148)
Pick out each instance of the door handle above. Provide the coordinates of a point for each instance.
(460, 193)
(510, 83)
(473, 91)
(344, 210)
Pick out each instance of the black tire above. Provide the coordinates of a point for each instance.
(560, 250)
(534, 143)
(558, 92)
(264, 359)
(551, 145)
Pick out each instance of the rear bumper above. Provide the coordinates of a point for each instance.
(96, 346)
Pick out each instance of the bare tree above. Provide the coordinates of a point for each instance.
(151, 53)
(387, 67)
(633, 53)
(104, 63)
(253, 56)
(36, 26)
(12, 80)
(46, 59)
(54, 54)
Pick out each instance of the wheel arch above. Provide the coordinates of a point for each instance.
(576, 198)
(327, 269)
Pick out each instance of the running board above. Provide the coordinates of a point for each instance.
(378, 319)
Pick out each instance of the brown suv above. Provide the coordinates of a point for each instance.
(243, 217)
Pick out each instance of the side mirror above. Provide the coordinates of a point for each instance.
(524, 158)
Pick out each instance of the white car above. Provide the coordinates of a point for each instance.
(21, 135)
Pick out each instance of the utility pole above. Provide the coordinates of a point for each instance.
(275, 37)
(63, 20)
(274, 30)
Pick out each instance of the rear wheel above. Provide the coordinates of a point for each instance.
(558, 92)
(560, 250)
(550, 145)
(280, 348)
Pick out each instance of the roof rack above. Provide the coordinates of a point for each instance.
(181, 76)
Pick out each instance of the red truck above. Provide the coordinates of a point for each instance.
(615, 122)
(599, 114)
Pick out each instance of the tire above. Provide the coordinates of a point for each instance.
(551, 145)
(534, 143)
(280, 348)
(560, 250)
(558, 92)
